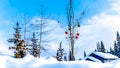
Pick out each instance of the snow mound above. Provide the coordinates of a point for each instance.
(31, 62)
(8, 61)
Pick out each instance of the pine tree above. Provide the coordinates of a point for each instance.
(84, 54)
(118, 37)
(111, 51)
(118, 44)
(118, 40)
(35, 47)
(102, 47)
(65, 58)
(20, 47)
(60, 53)
(115, 49)
(95, 50)
(70, 55)
(98, 47)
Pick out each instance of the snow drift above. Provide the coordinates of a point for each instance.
(31, 62)
(8, 61)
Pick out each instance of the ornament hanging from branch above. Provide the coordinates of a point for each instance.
(78, 25)
(66, 32)
(76, 37)
(78, 34)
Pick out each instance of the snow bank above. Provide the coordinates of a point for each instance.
(31, 62)
(78, 64)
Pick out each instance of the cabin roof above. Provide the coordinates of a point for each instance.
(93, 59)
(100, 57)
(105, 55)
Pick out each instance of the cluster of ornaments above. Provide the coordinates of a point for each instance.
(76, 36)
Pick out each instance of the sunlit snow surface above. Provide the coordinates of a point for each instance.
(7, 61)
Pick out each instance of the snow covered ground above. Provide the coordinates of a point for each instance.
(7, 61)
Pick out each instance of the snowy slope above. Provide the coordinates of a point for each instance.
(8, 61)
(31, 62)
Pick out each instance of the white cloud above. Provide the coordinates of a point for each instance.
(102, 26)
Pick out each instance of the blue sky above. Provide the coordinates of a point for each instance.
(15, 8)
(12, 10)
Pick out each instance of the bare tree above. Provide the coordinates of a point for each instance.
(40, 29)
(25, 24)
(72, 28)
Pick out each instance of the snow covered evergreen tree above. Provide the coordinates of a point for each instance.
(20, 47)
(100, 47)
(111, 51)
(117, 46)
(60, 53)
(116, 49)
(35, 47)
(65, 58)
(84, 54)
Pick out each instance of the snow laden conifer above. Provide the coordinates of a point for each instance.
(20, 47)
(116, 49)
(84, 54)
(60, 53)
(100, 47)
(111, 51)
(35, 47)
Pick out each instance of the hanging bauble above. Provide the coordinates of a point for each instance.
(66, 32)
(78, 34)
(69, 28)
(76, 37)
(78, 25)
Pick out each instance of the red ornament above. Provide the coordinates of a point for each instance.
(76, 37)
(66, 32)
(78, 34)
